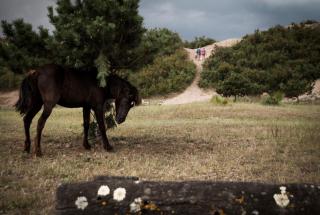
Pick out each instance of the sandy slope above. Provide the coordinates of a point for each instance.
(193, 93)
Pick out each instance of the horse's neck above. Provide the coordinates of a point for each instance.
(114, 87)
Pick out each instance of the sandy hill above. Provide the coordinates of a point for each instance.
(194, 93)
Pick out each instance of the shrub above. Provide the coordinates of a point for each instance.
(167, 74)
(9, 80)
(199, 42)
(219, 100)
(273, 99)
(158, 42)
(235, 85)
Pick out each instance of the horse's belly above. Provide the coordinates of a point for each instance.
(74, 104)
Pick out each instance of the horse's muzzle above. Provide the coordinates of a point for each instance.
(120, 120)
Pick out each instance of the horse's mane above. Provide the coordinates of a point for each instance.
(127, 86)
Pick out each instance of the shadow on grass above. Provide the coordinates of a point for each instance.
(53, 147)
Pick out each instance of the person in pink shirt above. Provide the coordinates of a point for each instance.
(203, 53)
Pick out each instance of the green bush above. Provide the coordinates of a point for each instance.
(199, 42)
(273, 99)
(9, 80)
(285, 59)
(270, 100)
(167, 74)
(158, 42)
(219, 100)
(235, 85)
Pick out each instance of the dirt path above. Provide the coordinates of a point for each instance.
(193, 93)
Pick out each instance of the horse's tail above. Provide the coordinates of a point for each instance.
(28, 90)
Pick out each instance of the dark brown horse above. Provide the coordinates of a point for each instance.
(52, 84)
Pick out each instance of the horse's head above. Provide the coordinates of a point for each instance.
(126, 98)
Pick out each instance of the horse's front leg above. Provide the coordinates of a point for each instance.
(100, 119)
(86, 122)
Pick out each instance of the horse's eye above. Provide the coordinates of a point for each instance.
(132, 103)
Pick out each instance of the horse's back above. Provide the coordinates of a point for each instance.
(68, 87)
(80, 89)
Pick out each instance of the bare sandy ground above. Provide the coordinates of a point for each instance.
(8, 99)
(316, 88)
(193, 93)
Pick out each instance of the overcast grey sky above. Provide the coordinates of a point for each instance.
(217, 19)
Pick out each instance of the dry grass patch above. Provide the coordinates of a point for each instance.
(238, 142)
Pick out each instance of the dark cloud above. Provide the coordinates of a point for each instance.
(216, 19)
(225, 19)
(32, 11)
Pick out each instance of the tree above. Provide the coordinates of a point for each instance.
(235, 85)
(158, 42)
(97, 33)
(297, 83)
(167, 74)
(22, 48)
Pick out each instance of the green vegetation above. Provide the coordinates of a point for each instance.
(22, 48)
(89, 33)
(171, 73)
(237, 142)
(166, 67)
(273, 99)
(9, 80)
(199, 42)
(158, 42)
(95, 33)
(234, 85)
(279, 59)
(219, 100)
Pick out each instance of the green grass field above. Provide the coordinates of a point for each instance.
(238, 142)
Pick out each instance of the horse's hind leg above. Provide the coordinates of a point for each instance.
(47, 109)
(86, 122)
(27, 119)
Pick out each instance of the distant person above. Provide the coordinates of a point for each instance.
(202, 53)
(198, 53)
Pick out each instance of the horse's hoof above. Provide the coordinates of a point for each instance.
(27, 146)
